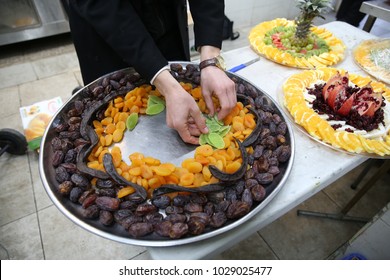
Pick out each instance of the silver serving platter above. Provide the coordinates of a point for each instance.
(153, 138)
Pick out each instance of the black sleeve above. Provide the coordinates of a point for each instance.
(208, 18)
(122, 29)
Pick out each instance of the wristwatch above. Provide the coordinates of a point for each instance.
(217, 61)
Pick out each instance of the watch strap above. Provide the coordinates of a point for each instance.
(208, 62)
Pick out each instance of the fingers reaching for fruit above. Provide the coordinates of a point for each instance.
(183, 114)
(216, 83)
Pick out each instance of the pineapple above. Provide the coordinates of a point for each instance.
(310, 9)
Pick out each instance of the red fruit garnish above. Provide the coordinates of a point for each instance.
(346, 106)
(334, 94)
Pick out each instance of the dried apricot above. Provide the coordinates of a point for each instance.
(187, 179)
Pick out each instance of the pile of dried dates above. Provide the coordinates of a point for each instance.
(162, 217)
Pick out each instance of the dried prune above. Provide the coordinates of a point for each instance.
(107, 203)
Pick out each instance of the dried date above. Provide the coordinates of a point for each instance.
(258, 193)
(80, 181)
(75, 194)
(140, 229)
(178, 230)
(61, 174)
(163, 228)
(218, 219)
(195, 226)
(65, 188)
(107, 203)
(264, 178)
(92, 212)
(237, 209)
(106, 218)
(58, 157)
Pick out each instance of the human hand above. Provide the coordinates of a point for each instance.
(183, 114)
(214, 81)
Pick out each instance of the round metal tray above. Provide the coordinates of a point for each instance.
(151, 137)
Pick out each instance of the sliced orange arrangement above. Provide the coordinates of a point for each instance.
(258, 41)
(373, 56)
(318, 127)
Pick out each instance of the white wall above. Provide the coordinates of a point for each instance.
(251, 12)
(248, 13)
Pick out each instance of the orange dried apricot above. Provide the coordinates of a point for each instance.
(187, 179)
(204, 150)
(125, 191)
(233, 167)
(146, 171)
(162, 171)
(117, 135)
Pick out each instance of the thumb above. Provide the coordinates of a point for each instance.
(199, 121)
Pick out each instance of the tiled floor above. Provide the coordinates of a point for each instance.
(31, 227)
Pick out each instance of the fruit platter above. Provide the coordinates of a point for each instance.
(111, 165)
(298, 43)
(342, 110)
(373, 56)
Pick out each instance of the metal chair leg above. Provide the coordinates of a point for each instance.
(342, 215)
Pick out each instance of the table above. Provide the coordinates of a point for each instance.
(315, 165)
(374, 10)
